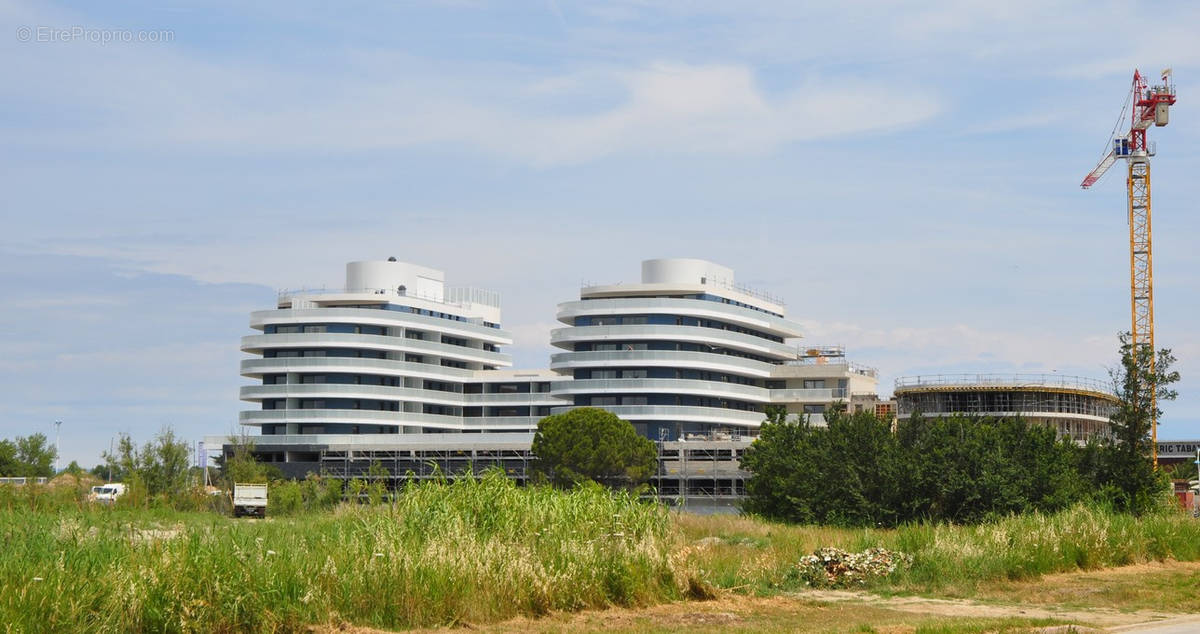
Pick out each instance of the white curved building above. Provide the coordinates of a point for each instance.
(686, 351)
(395, 352)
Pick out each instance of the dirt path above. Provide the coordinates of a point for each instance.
(1086, 599)
(966, 608)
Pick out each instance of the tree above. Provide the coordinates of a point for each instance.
(27, 456)
(1125, 474)
(843, 473)
(8, 458)
(855, 471)
(239, 465)
(161, 465)
(37, 454)
(785, 464)
(588, 443)
(164, 464)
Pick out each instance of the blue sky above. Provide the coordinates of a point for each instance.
(904, 174)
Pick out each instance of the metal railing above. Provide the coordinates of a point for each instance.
(800, 395)
(711, 281)
(711, 337)
(373, 342)
(459, 296)
(658, 358)
(690, 413)
(473, 326)
(663, 386)
(1006, 380)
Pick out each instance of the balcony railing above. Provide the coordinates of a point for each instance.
(458, 296)
(660, 386)
(992, 380)
(659, 358)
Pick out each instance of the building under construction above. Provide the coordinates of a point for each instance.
(1077, 407)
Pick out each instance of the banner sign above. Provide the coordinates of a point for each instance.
(1178, 449)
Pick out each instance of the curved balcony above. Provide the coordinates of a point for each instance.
(258, 343)
(256, 393)
(568, 311)
(808, 395)
(680, 413)
(661, 359)
(374, 317)
(254, 368)
(369, 417)
(564, 337)
(713, 389)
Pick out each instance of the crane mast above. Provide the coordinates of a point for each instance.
(1150, 105)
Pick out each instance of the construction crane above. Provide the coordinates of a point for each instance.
(1151, 104)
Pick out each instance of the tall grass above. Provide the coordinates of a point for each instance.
(481, 550)
(1024, 546)
(757, 554)
(473, 550)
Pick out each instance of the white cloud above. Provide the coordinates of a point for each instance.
(658, 108)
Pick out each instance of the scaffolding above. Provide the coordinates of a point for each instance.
(699, 472)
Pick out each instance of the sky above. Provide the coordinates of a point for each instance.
(905, 175)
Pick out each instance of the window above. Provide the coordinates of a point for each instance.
(814, 409)
(814, 384)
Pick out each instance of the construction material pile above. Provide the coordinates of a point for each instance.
(836, 568)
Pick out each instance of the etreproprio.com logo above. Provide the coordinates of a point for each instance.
(42, 34)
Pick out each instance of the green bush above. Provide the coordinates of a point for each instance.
(285, 497)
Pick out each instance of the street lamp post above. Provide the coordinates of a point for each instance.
(57, 450)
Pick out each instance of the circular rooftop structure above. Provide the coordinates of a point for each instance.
(1079, 408)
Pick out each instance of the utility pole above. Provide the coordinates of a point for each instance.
(57, 450)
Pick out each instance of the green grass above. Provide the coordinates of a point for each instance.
(757, 555)
(480, 551)
(463, 552)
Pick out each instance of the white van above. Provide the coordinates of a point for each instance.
(107, 493)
